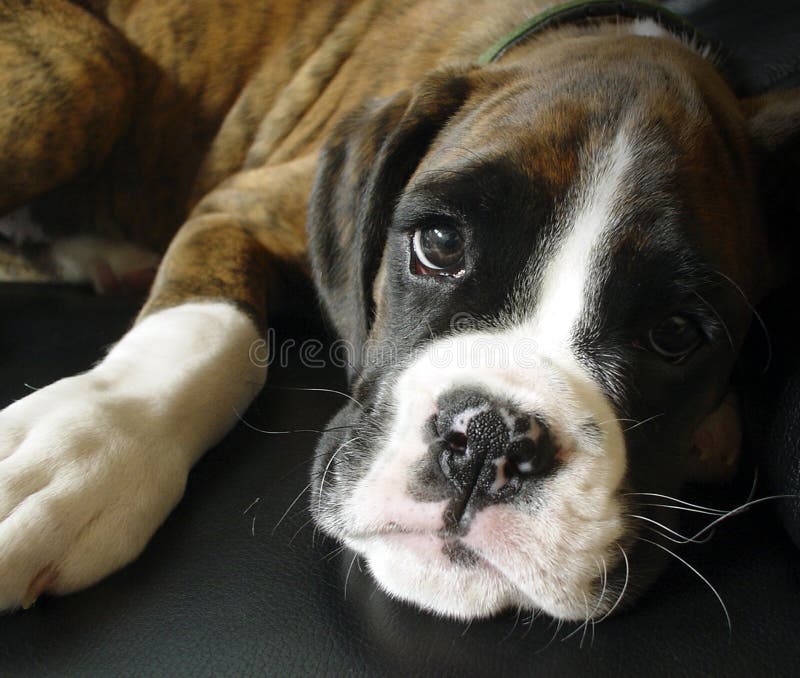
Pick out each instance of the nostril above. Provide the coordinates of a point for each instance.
(526, 457)
(456, 441)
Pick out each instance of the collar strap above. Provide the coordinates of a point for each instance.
(583, 11)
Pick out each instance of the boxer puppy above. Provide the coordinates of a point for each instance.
(545, 266)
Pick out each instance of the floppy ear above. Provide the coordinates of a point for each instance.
(773, 123)
(362, 171)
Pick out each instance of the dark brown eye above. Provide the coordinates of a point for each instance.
(439, 250)
(675, 338)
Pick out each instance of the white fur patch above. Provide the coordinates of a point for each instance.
(91, 465)
(99, 261)
(648, 28)
(567, 278)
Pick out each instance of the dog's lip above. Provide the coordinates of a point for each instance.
(394, 529)
(390, 531)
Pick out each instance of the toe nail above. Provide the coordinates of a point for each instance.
(39, 584)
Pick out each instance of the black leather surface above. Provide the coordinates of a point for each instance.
(783, 464)
(222, 590)
(772, 402)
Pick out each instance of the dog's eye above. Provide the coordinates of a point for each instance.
(675, 338)
(438, 250)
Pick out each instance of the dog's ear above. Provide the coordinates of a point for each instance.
(773, 123)
(363, 168)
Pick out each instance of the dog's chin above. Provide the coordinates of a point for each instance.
(448, 578)
(417, 569)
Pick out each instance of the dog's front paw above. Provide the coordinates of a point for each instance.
(86, 477)
(91, 465)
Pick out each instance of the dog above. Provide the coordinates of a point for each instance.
(539, 229)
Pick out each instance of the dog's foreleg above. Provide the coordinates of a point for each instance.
(91, 465)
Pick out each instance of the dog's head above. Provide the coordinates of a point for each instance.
(544, 273)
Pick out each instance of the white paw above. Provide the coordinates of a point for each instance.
(84, 483)
(91, 465)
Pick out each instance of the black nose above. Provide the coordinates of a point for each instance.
(489, 449)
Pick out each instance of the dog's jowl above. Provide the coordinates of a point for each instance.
(542, 249)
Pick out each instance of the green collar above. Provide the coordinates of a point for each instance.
(581, 11)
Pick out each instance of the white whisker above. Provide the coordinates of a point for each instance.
(330, 461)
(552, 640)
(683, 508)
(320, 390)
(252, 504)
(694, 569)
(534, 615)
(586, 623)
(681, 538)
(620, 420)
(286, 512)
(335, 552)
(300, 529)
(757, 316)
(719, 318)
(579, 626)
(675, 499)
(513, 628)
(666, 536)
(252, 427)
(347, 577)
(643, 422)
(624, 586)
(744, 507)
(604, 579)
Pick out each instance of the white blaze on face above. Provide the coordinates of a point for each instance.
(548, 555)
(567, 282)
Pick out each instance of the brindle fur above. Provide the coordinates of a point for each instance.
(143, 118)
